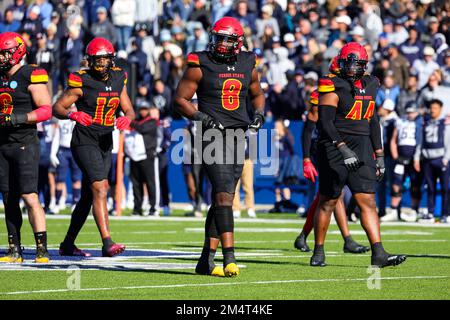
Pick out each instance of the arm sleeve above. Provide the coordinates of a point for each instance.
(145, 127)
(327, 115)
(307, 134)
(375, 133)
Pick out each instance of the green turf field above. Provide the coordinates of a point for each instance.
(162, 252)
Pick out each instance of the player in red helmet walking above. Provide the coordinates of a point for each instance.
(223, 78)
(24, 101)
(97, 92)
(350, 150)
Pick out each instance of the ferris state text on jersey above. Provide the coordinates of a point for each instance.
(356, 105)
(223, 90)
(101, 99)
(16, 99)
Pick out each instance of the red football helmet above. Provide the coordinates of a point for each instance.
(226, 38)
(352, 61)
(334, 66)
(100, 55)
(12, 50)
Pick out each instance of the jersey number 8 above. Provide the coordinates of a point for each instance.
(231, 89)
(108, 118)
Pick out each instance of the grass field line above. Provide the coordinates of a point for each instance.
(294, 220)
(333, 232)
(200, 243)
(244, 283)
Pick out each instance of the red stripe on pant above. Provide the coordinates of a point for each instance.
(309, 224)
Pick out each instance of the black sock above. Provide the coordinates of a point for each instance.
(212, 254)
(69, 240)
(348, 239)
(107, 242)
(14, 240)
(319, 250)
(41, 239)
(228, 256)
(377, 249)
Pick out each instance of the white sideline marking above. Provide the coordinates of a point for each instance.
(200, 243)
(334, 232)
(296, 220)
(217, 284)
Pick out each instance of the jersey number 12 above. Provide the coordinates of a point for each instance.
(102, 118)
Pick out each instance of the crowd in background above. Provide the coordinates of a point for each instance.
(294, 41)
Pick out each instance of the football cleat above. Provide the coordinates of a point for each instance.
(71, 250)
(300, 243)
(391, 215)
(42, 255)
(355, 247)
(205, 269)
(14, 255)
(231, 270)
(317, 261)
(113, 250)
(386, 260)
(409, 215)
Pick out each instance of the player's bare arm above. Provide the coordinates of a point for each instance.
(126, 105)
(258, 101)
(124, 122)
(257, 93)
(62, 105)
(185, 91)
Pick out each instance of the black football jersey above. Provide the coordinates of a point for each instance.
(223, 91)
(101, 99)
(16, 99)
(356, 105)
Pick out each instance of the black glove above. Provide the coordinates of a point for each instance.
(380, 166)
(10, 120)
(351, 160)
(207, 121)
(258, 121)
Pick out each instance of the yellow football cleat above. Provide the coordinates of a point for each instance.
(14, 255)
(218, 272)
(42, 255)
(231, 270)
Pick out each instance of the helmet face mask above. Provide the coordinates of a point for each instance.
(101, 64)
(352, 60)
(5, 58)
(352, 68)
(223, 46)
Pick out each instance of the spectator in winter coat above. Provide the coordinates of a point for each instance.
(103, 27)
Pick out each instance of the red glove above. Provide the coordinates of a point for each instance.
(309, 171)
(81, 117)
(123, 123)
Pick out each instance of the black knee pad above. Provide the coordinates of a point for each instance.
(397, 194)
(210, 225)
(224, 219)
